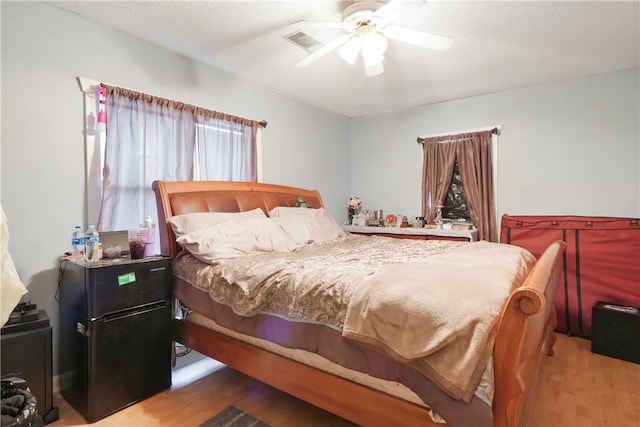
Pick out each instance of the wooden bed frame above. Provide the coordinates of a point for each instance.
(524, 334)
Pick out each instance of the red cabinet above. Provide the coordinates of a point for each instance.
(601, 262)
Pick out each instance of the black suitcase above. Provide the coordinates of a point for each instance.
(616, 331)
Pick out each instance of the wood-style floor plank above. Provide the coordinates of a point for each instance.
(578, 389)
(582, 389)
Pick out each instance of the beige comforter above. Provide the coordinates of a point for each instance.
(327, 283)
(313, 283)
(438, 314)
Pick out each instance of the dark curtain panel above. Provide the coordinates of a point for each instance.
(476, 170)
(473, 153)
(437, 167)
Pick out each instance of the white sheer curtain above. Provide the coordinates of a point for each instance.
(150, 138)
(225, 151)
(145, 141)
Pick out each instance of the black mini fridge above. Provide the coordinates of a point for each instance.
(114, 338)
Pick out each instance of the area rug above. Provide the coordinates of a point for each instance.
(233, 417)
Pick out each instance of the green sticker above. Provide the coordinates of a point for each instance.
(125, 279)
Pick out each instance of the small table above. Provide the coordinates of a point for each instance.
(415, 233)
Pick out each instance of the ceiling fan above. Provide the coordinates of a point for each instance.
(367, 25)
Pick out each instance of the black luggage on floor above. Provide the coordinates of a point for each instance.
(616, 331)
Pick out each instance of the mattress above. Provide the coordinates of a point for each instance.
(324, 348)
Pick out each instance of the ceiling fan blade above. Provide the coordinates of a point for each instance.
(319, 24)
(334, 44)
(418, 38)
(387, 11)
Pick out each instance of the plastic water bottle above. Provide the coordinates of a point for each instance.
(92, 240)
(77, 240)
(149, 246)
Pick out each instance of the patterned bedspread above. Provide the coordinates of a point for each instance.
(313, 283)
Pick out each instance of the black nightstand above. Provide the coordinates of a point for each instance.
(115, 339)
(26, 353)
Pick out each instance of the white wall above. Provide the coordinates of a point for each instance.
(42, 170)
(566, 148)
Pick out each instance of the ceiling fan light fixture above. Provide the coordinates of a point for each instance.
(374, 42)
(370, 59)
(373, 47)
(349, 51)
(373, 69)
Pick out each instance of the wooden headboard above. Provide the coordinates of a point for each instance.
(180, 197)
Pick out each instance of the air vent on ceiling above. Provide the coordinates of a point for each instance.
(303, 41)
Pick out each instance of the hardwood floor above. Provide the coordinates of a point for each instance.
(583, 389)
(578, 389)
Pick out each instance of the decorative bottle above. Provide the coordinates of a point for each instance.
(92, 241)
(439, 220)
(77, 240)
(149, 246)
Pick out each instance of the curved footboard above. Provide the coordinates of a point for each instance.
(524, 337)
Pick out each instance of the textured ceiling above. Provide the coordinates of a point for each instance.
(497, 46)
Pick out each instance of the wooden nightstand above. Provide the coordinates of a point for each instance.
(415, 233)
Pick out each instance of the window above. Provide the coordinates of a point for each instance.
(465, 158)
(148, 138)
(455, 204)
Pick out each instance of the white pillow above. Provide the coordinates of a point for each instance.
(187, 223)
(235, 238)
(307, 225)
